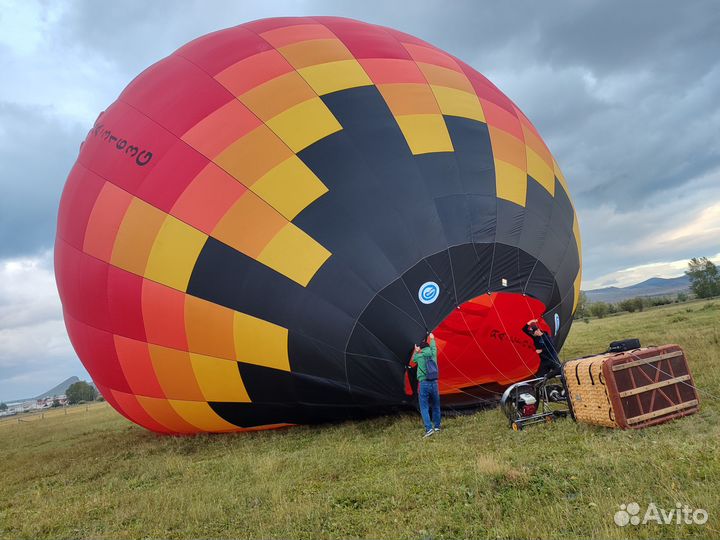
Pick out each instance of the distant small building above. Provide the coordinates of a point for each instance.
(34, 404)
(21, 406)
(48, 402)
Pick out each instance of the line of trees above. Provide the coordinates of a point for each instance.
(80, 391)
(587, 309)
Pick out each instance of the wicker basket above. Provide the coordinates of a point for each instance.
(632, 389)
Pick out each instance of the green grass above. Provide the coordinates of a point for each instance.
(95, 475)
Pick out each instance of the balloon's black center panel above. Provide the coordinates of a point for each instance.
(392, 222)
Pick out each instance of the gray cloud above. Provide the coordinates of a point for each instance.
(617, 37)
(133, 35)
(36, 154)
(35, 353)
(657, 234)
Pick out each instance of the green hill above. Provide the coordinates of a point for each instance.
(60, 389)
(95, 475)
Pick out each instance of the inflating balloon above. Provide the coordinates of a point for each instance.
(263, 224)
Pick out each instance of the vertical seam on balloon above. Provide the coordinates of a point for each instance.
(545, 230)
(562, 300)
(200, 154)
(569, 320)
(474, 383)
(412, 298)
(400, 309)
(511, 341)
(495, 243)
(527, 282)
(477, 344)
(452, 275)
(372, 83)
(497, 215)
(571, 237)
(380, 340)
(236, 98)
(210, 160)
(462, 315)
(437, 276)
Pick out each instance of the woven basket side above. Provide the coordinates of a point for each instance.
(588, 392)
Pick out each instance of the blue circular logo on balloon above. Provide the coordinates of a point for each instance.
(428, 292)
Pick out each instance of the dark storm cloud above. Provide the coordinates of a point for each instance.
(616, 37)
(36, 154)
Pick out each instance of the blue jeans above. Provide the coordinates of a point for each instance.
(429, 402)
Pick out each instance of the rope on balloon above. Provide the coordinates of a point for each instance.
(511, 341)
(479, 347)
(469, 380)
(704, 392)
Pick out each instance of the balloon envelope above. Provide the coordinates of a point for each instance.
(263, 224)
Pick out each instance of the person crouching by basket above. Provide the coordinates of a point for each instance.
(425, 358)
(549, 362)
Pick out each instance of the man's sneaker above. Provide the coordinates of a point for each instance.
(428, 433)
(436, 430)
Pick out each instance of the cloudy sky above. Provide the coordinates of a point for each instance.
(626, 95)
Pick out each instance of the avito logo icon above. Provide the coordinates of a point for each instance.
(428, 292)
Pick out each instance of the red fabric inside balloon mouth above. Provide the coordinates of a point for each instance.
(482, 342)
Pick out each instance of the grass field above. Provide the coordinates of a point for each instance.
(42, 414)
(95, 475)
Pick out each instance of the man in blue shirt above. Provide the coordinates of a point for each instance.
(425, 358)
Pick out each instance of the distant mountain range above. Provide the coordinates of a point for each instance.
(60, 389)
(650, 287)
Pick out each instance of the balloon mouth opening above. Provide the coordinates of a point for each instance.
(482, 347)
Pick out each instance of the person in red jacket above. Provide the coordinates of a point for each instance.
(425, 358)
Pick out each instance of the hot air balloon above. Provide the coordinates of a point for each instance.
(263, 224)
